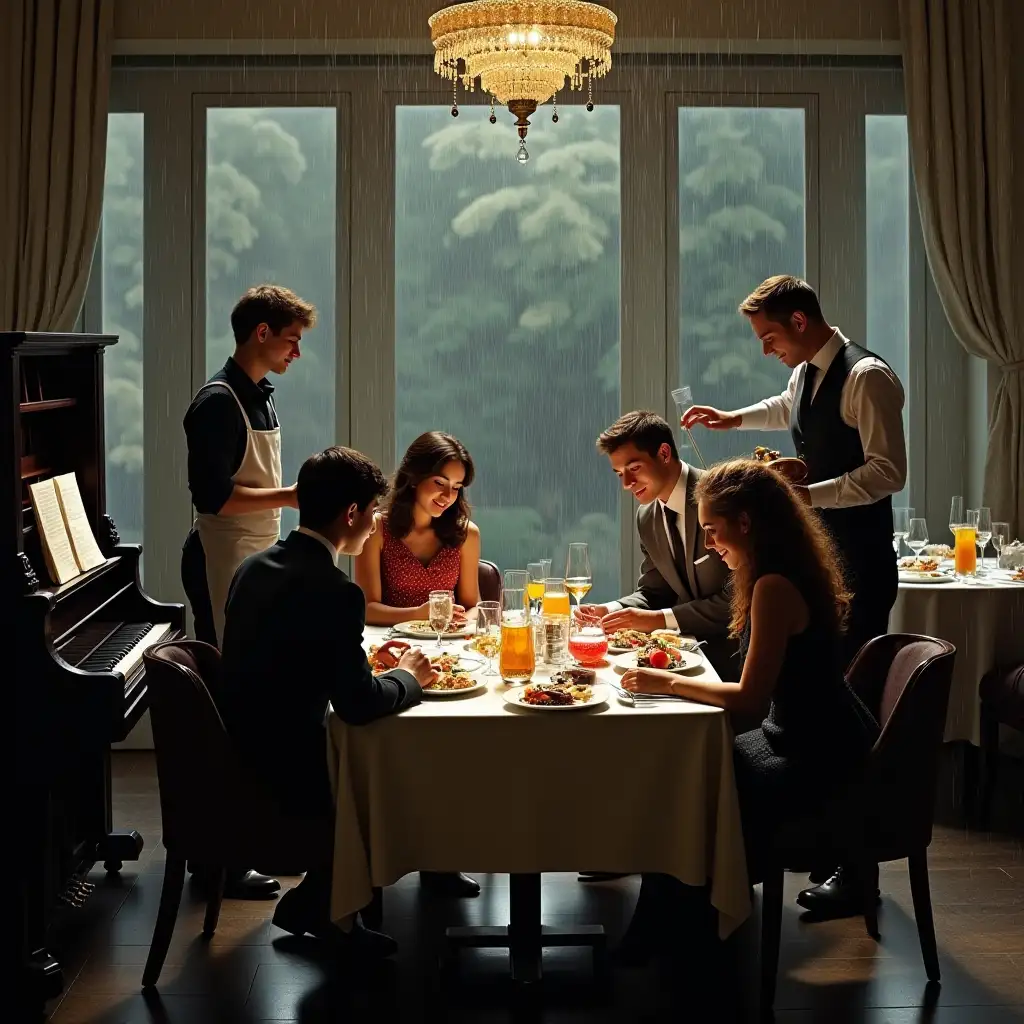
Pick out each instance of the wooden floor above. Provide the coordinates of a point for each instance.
(833, 972)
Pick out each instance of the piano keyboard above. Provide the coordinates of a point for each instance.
(114, 647)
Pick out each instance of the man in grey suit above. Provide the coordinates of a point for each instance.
(681, 583)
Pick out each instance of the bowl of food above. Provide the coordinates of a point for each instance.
(794, 470)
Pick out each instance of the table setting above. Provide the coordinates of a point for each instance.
(495, 778)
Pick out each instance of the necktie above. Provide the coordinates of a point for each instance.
(678, 546)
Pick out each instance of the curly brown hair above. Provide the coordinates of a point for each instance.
(422, 459)
(786, 538)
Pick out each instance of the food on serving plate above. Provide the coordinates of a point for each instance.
(557, 694)
(574, 676)
(919, 565)
(379, 666)
(446, 663)
(937, 551)
(658, 654)
(486, 644)
(423, 626)
(632, 639)
(763, 454)
(457, 679)
(669, 636)
(1018, 575)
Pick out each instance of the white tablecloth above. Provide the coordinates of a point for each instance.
(470, 783)
(984, 620)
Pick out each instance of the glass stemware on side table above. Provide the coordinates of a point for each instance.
(442, 608)
(488, 624)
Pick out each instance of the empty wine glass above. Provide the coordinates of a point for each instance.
(957, 518)
(442, 608)
(1000, 536)
(917, 536)
(984, 534)
(900, 525)
(488, 624)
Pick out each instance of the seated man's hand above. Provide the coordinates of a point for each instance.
(591, 613)
(633, 618)
(417, 664)
(390, 653)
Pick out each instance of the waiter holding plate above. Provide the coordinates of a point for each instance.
(234, 475)
(844, 408)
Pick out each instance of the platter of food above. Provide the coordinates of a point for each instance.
(564, 691)
(923, 570)
(622, 641)
(1017, 576)
(420, 629)
(661, 655)
(456, 673)
(794, 470)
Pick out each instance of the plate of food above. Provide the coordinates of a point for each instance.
(659, 655)
(486, 644)
(622, 641)
(560, 693)
(794, 470)
(420, 629)
(940, 551)
(1017, 576)
(922, 570)
(455, 676)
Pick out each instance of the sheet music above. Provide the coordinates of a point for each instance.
(83, 540)
(53, 534)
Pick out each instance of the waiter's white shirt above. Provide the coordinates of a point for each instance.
(871, 403)
(677, 503)
(323, 540)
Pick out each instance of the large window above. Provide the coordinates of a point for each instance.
(887, 202)
(507, 320)
(121, 274)
(741, 219)
(271, 182)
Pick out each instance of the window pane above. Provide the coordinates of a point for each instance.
(121, 272)
(507, 320)
(271, 179)
(887, 173)
(741, 219)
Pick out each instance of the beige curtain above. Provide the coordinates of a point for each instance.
(965, 126)
(55, 89)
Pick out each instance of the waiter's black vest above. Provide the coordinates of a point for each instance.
(863, 533)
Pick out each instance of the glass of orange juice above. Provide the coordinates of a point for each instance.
(517, 658)
(965, 551)
(556, 598)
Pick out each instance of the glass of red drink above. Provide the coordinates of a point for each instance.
(588, 645)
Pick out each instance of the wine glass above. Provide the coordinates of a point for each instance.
(442, 608)
(1000, 536)
(957, 519)
(578, 577)
(488, 624)
(917, 536)
(984, 534)
(900, 525)
(538, 573)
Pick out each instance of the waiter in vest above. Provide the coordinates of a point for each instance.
(234, 474)
(844, 409)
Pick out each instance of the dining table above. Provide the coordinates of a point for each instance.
(982, 616)
(473, 783)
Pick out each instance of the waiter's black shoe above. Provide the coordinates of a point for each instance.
(452, 884)
(239, 883)
(600, 876)
(840, 895)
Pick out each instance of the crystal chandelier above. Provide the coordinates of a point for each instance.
(522, 52)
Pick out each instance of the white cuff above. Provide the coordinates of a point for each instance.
(825, 493)
(670, 619)
(613, 606)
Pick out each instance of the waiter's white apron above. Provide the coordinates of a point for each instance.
(227, 540)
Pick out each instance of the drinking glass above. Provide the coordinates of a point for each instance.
(517, 657)
(900, 525)
(578, 578)
(965, 551)
(442, 608)
(917, 536)
(957, 518)
(983, 534)
(588, 645)
(488, 623)
(539, 572)
(683, 397)
(556, 598)
(1000, 536)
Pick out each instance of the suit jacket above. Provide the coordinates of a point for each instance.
(695, 593)
(292, 643)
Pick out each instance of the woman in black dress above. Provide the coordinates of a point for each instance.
(788, 608)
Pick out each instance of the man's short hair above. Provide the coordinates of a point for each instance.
(332, 480)
(646, 429)
(272, 305)
(780, 297)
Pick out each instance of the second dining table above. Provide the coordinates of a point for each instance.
(470, 782)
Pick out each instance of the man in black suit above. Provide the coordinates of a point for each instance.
(292, 643)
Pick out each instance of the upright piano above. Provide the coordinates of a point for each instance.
(79, 682)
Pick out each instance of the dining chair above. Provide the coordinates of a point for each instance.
(211, 811)
(904, 679)
(1002, 703)
(489, 576)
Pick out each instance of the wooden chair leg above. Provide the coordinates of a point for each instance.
(170, 900)
(771, 935)
(213, 902)
(923, 913)
(989, 765)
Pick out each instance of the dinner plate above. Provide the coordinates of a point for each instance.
(688, 643)
(924, 577)
(690, 660)
(477, 687)
(406, 629)
(514, 696)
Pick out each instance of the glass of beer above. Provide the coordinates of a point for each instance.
(517, 659)
(556, 598)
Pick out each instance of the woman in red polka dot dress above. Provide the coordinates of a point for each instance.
(425, 539)
(425, 542)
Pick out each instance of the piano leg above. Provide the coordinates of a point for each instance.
(118, 847)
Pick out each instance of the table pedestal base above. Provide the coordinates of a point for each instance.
(525, 937)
